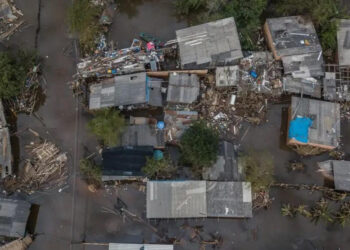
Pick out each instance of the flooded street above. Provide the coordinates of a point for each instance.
(62, 120)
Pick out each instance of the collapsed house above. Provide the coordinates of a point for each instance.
(123, 163)
(177, 121)
(257, 72)
(209, 45)
(14, 216)
(143, 132)
(314, 123)
(127, 246)
(5, 146)
(226, 166)
(198, 199)
(294, 41)
(338, 171)
(183, 88)
(136, 90)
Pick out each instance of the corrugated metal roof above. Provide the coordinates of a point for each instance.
(5, 146)
(124, 246)
(293, 35)
(119, 91)
(341, 170)
(306, 86)
(191, 199)
(229, 199)
(325, 129)
(13, 217)
(176, 199)
(343, 36)
(210, 44)
(143, 135)
(183, 88)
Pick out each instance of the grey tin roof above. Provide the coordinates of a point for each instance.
(343, 36)
(325, 129)
(210, 44)
(183, 88)
(125, 246)
(225, 167)
(305, 86)
(190, 199)
(176, 199)
(290, 33)
(119, 91)
(5, 146)
(341, 170)
(13, 217)
(304, 65)
(229, 199)
(143, 135)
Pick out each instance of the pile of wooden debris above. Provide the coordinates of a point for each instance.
(10, 18)
(46, 169)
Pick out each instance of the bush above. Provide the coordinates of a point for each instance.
(199, 145)
(83, 19)
(91, 171)
(14, 69)
(107, 125)
(158, 168)
(258, 168)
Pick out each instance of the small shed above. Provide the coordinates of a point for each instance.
(121, 163)
(5, 146)
(210, 44)
(143, 135)
(13, 217)
(125, 90)
(198, 199)
(229, 199)
(324, 129)
(292, 35)
(227, 76)
(339, 171)
(343, 37)
(127, 246)
(226, 166)
(183, 88)
(176, 199)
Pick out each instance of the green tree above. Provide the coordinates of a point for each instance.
(258, 168)
(83, 19)
(287, 210)
(107, 125)
(14, 69)
(158, 168)
(91, 172)
(199, 145)
(325, 15)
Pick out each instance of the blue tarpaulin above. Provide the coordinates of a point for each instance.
(299, 129)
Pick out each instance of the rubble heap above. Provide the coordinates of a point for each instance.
(10, 18)
(46, 169)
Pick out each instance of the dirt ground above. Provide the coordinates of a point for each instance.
(76, 215)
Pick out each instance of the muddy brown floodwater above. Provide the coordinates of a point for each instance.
(61, 120)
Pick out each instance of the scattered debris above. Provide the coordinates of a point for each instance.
(261, 200)
(10, 19)
(46, 169)
(19, 244)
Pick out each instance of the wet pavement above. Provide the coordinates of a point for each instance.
(61, 120)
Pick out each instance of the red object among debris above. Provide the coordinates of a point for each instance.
(150, 46)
